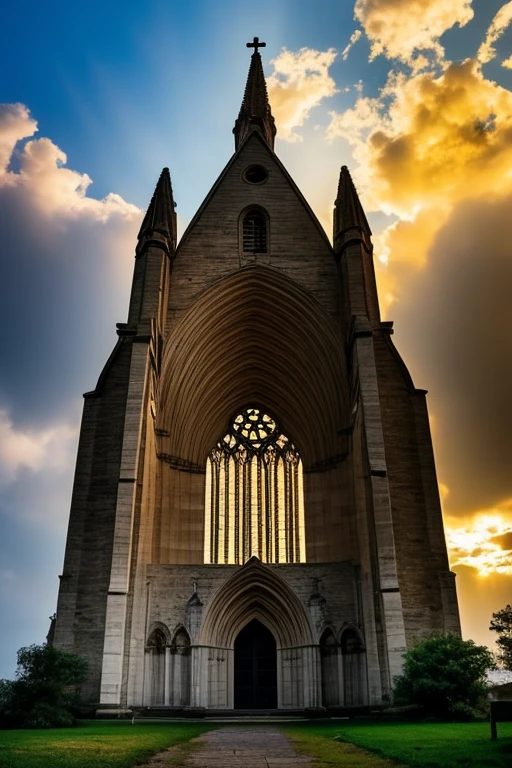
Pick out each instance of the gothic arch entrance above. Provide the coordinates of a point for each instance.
(255, 668)
(254, 618)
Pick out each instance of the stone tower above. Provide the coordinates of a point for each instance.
(255, 521)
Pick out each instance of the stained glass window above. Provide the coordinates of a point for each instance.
(254, 494)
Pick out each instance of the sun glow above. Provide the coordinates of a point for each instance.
(484, 543)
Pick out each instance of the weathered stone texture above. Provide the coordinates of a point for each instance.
(92, 515)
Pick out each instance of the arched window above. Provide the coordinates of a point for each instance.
(254, 494)
(156, 668)
(254, 232)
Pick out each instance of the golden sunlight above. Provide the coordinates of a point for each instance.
(484, 543)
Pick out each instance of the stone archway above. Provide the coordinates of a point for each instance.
(256, 592)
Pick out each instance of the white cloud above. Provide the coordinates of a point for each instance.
(353, 39)
(52, 447)
(15, 124)
(399, 29)
(299, 82)
(53, 189)
(502, 20)
(68, 261)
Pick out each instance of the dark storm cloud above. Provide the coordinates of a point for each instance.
(454, 326)
(58, 306)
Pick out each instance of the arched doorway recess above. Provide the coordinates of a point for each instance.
(255, 668)
(256, 592)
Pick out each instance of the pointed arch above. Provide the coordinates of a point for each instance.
(180, 641)
(328, 640)
(158, 634)
(156, 665)
(255, 592)
(255, 336)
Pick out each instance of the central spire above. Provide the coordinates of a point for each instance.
(255, 111)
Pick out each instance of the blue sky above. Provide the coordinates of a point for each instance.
(123, 89)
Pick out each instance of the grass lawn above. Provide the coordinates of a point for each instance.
(419, 745)
(92, 745)
(123, 745)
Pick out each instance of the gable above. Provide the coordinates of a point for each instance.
(212, 246)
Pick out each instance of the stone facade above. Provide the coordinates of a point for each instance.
(291, 326)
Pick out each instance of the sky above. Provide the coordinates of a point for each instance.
(415, 98)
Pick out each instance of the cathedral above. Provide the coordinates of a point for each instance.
(255, 521)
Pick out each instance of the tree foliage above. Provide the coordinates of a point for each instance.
(501, 623)
(445, 676)
(45, 690)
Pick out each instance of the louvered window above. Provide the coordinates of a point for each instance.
(254, 232)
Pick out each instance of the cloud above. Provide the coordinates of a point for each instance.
(502, 20)
(400, 29)
(504, 540)
(453, 324)
(33, 449)
(65, 255)
(421, 141)
(299, 82)
(436, 151)
(42, 177)
(15, 124)
(67, 260)
(355, 36)
(482, 542)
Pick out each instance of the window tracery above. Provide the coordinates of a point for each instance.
(254, 494)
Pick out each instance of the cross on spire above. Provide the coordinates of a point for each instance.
(256, 44)
(255, 110)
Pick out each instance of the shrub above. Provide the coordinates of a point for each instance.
(46, 689)
(444, 675)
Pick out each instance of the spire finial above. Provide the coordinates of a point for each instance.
(159, 224)
(255, 111)
(349, 216)
(256, 44)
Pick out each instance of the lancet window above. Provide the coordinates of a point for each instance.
(254, 232)
(254, 494)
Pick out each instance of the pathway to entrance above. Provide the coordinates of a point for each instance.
(246, 748)
(242, 747)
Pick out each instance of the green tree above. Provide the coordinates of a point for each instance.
(445, 676)
(501, 623)
(46, 688)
